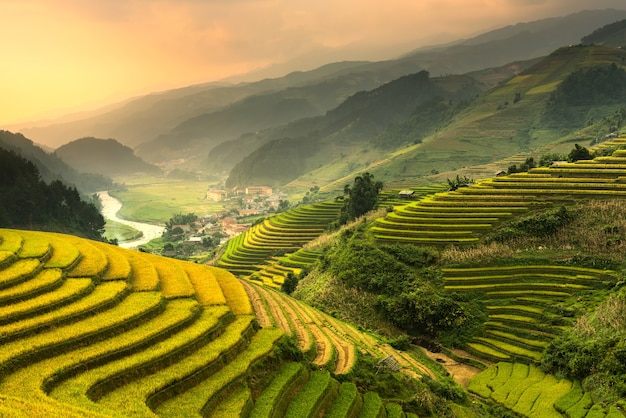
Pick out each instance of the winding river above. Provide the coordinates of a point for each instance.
(110, 207)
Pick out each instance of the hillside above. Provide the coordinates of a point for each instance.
(50, 166)
(518, 275)
(613, 34)
(103, 156)
(430, 137)
(29, 202)
(169, 111)
(89, 329)
(349, 127)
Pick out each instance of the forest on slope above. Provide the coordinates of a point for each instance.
(30, 203)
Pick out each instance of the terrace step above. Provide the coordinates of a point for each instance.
(96, 382)
(44, 281)
(202, 398)
(38, 379)
(129, 312)
(151, 390)
(104, 296)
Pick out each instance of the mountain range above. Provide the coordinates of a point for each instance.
(337, 120)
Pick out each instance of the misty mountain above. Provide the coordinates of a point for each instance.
(613, 35)
(516, 42)
(103, 156)
(444, 130)
(142, 119)
(168, 117)
(348, 128)
(51, 167)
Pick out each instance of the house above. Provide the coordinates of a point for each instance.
(406, 194)
(215, 195)
(259, 191)
(500, 173)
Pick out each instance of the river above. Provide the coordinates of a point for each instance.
(110, 207)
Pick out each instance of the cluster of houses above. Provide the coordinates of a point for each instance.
(253, 199)
(249, 201)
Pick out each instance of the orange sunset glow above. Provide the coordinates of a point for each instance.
(61, 56)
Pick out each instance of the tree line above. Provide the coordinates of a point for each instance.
(30, 203)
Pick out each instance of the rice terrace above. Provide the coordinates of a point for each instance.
(440, 234)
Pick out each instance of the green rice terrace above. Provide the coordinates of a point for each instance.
(532, 300)
(90, 329)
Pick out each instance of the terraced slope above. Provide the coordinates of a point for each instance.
(286, 232)
(531, 393)
(520, 302)
(464, 216)
(297, 392)
(89, 329)
(329, 342)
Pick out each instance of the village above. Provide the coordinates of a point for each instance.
(188, 235)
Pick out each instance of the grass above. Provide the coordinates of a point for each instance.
(157, 199)
(119, 231)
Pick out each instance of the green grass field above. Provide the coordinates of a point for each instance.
(155, 199)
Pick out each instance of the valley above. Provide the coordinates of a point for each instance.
(441, 234)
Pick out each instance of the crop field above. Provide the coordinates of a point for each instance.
(519, 300)
(328, 341)
(528, 391)
(155, 200)
(285, 233)
(104, 331)
(78, 330)
(465, 215)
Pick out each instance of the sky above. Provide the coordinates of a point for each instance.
(62, 56)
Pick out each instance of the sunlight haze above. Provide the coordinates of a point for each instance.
(63, 56)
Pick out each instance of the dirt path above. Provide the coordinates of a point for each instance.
(462, 373)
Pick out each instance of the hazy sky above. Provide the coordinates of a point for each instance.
(65, 55)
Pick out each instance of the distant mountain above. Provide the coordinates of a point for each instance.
(145, 118)
(50, 166)
(103, 156)
(444, 130)
(205, 115)
(349, 128)
(613, 34)
(516, 42)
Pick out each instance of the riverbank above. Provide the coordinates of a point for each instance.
(110, 208)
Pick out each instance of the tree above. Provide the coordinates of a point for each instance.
(360, 198)
(579, 153)
(290, 283)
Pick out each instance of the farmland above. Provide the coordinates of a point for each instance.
(90, 329)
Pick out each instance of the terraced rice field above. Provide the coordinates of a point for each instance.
(285, 233)
(89, 329)
(526, 390)
(329, 342)
(520, 303)
(464, 216)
